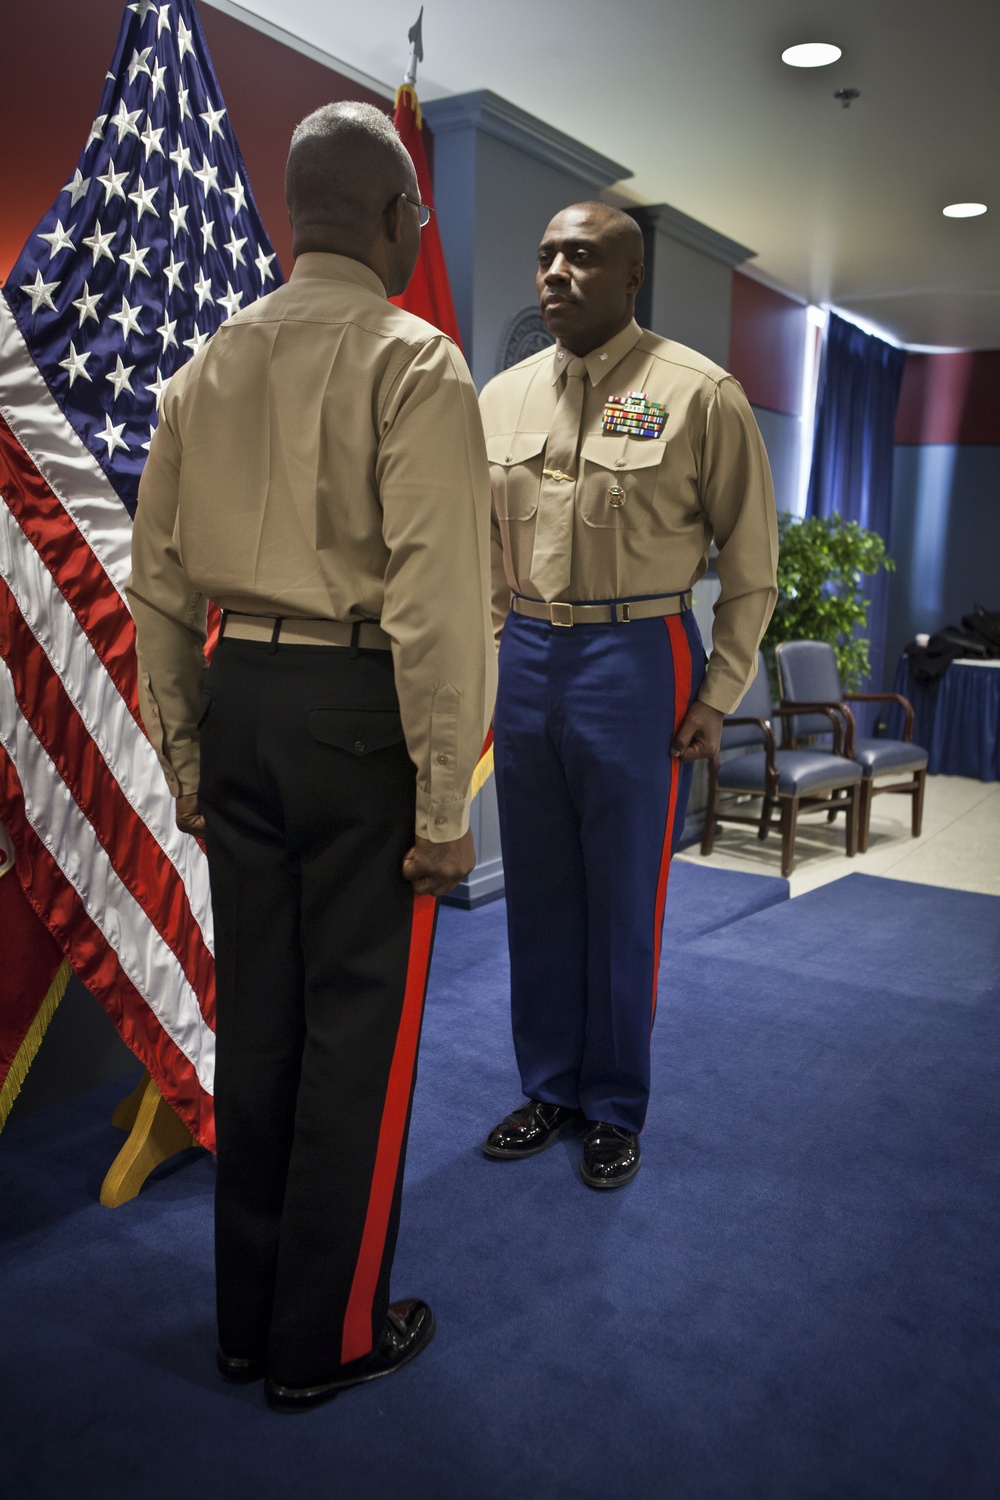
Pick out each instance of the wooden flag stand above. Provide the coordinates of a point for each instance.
(154, 1134)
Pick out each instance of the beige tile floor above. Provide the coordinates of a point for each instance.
(959, 846)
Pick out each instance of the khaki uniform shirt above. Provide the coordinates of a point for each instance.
(706, 477)
(322, 456)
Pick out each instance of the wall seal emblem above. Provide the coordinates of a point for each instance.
(525, 334)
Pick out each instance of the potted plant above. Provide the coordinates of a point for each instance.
(822, 563)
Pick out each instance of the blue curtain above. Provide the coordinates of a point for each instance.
(852, 454)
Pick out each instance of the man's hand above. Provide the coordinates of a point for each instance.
(189, 819)
(700, 733)
(436, 869)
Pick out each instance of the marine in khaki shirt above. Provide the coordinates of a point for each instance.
(616, 459)
(333, 469)
(319, 471)
(647, 508)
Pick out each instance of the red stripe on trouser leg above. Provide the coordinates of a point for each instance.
(357, 1340)
(681, 650)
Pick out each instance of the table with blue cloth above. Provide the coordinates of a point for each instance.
(957, 718)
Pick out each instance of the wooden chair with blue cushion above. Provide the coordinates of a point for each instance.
(792, 780)
(808, 676)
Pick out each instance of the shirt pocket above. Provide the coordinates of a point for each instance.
(516, 473)
(617, 486)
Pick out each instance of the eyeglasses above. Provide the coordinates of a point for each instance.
(423, 210)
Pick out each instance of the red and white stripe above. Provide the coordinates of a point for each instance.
(81, 791)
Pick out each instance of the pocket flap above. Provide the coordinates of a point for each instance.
(611, 451)
(359, 731)
(514, 447)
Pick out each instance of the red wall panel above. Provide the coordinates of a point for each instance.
(950, 398)
(48, 101)
(767, 340)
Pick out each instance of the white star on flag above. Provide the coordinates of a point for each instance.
(143, 200)
(237, 194)
(112, 435)
(230, 301)
(75, 364)
(203, 290)
(208, 176)
(139, 63)
(128, 317)
(40, 292)
(263, 264)
(59, 239)
(172, 271)
(135, 259)
(212, 118)
(195, 342)
(87, 305)
(124, 122)
(111, 181)
(98, 242)
(235, 248)
(158, 386)
(184, 42)
(119, 377)
(158, 78)
(77, 187)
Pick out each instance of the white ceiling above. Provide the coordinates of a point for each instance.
(842, 206)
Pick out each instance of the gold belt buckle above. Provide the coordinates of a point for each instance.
(561, 614)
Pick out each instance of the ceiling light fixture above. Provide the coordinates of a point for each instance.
(810, 55)
(964, 210)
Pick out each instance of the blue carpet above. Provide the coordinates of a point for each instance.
(795, 1300)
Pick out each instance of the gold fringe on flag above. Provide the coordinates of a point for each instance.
(407, 91)
(25, 1054)
(483, 771)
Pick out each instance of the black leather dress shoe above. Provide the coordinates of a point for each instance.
(532, 1128)
(240, 1371)
(610, 1155)
(409, 1328)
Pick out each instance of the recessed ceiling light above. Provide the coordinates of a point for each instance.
(810, 55)
(963, 210)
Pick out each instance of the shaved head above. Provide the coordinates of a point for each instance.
(345, 166)
(620, 228)
(590, 267)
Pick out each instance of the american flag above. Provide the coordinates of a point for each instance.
(153, 242)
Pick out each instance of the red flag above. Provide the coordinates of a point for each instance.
(428, 294)
(33, 977)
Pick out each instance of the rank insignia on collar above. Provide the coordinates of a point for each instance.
(633, 415)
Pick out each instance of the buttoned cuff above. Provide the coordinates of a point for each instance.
(719, 691)
(440, 822)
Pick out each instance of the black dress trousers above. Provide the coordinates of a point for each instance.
(322, 953)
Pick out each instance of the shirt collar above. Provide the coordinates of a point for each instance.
(321, 265)
(600, 362)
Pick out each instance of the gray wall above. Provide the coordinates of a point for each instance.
(782, 436)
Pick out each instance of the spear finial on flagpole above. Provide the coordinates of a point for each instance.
(415, 38)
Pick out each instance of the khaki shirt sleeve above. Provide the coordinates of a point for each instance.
(738, 498)
(434, 488)
(170, 617)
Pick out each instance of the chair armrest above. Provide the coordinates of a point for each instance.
(771, 787)
(904, 704)
(839, 715)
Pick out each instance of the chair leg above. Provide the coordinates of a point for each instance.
(864, 813)
(766, 814)
(708, 827)
(834, 810)
(789, 819)
(919, 781)
(853, 799)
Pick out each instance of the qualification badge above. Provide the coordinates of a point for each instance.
(616, 496)
(633, 415)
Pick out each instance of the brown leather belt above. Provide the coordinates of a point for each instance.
(300, 632)
(619, 612)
